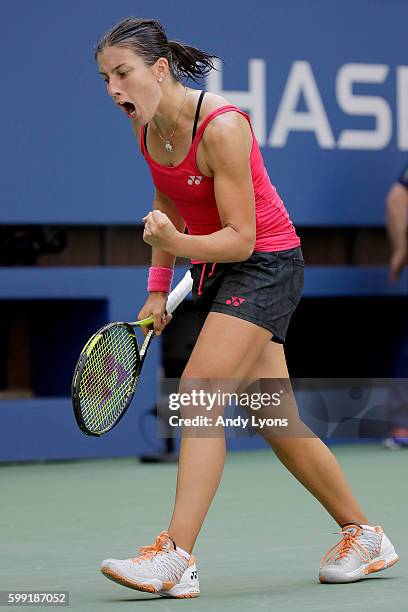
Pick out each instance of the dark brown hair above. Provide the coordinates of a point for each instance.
(147, 38)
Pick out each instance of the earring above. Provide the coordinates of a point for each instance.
(160, 79)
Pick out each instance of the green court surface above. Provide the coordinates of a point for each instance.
(259, 549)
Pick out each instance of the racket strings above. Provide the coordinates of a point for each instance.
(108, 377)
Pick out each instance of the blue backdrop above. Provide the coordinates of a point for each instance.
(324, 81)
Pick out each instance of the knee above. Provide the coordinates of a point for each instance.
(193, 393)
(194, 385)
(200, 395)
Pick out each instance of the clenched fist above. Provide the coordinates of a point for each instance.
(160, 232)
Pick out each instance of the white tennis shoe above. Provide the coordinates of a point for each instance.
(361, 551)
(159, 569)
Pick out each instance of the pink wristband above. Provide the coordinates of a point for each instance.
(160, 279)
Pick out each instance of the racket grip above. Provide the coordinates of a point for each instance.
(175, 298)
(179, 292)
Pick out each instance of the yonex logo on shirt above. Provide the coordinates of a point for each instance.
(194, 180)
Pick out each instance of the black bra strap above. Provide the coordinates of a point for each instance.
(145, 136)
(200, 101)
(197, 115)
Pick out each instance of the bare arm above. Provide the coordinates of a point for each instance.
(155, 304)
(227, 142)
(164, 204)
(397, 225)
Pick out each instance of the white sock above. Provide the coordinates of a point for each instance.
(183, 553)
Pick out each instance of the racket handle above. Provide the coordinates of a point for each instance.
(179, 292)
(175, 298)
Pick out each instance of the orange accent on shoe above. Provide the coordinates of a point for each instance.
(342, 548)
(375, 567)
(167, 586)
(137, 586)
(379, 565)
(147, 552)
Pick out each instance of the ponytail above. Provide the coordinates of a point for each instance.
(189, 62)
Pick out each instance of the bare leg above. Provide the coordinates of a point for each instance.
(315, 466)
(308, 458)
(201, 463)
(226, 349)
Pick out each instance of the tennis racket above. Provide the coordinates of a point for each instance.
(108, 369)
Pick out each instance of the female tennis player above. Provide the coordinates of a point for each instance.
(248, 270)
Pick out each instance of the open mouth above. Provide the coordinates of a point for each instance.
(129, 109)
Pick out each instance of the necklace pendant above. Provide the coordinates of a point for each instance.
(168, 146)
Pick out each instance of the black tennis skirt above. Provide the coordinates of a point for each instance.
(265, 289)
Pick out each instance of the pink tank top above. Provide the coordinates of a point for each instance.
(193, 193)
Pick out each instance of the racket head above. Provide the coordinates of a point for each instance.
(105, 378)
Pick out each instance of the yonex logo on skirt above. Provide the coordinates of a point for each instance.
(235, 301)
